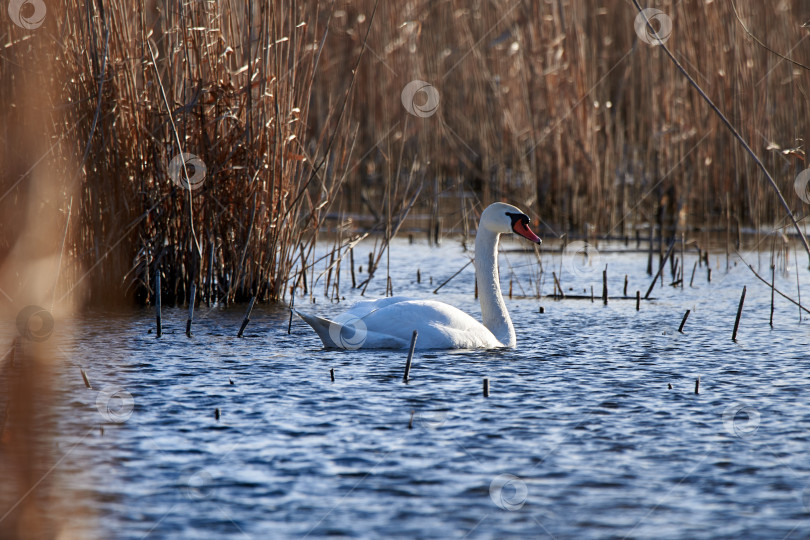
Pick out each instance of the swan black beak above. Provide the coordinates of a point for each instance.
(520, 224)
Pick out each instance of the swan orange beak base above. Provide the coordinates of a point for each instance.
(520, 224)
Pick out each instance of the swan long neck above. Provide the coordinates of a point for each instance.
(493, 309)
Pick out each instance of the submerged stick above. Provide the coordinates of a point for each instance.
(157, 303)
(660, 269)
(410, 357)
(683, 321)
(191, 309)
(247, 317)
(739, 313)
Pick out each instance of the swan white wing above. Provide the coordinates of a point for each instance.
(365, 307)
(440, 326)
(388, 323)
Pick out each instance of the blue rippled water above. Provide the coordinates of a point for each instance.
(580, 438)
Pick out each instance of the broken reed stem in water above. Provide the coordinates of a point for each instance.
(332, 374)
(209, 280)
(410, 422)
(486, 387)
(351, 260)
(191, 309)
(604, 286)
(739, 313)
(697, 385)
(773, 286)
(86, 380)
(157, 303)
(683, 321)
(625, 285)
(692, 279)
(638, 300)
(660, 269)
(292, 308)
(557, 284)
(410, 358)
(247, 317)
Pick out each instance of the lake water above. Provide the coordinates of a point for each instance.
(580, 438)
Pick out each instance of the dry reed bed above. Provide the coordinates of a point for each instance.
(554, 105)
(558, 106)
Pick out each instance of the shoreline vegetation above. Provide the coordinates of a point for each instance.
(295, 129)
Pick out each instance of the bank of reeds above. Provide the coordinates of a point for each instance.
(554, 105)
(559, 106)
(229, 82)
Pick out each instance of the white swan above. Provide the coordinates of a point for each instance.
(388, 323)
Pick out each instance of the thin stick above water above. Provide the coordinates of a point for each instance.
(191, 309)
(683, 321)
(247, 317)
(660, 269)
(410, 358)
(739, 313)
(773, 284)
(436, 290)
(157, 303)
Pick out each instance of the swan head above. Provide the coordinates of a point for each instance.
(502, 218)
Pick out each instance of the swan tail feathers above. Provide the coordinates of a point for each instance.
(321, 326)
